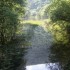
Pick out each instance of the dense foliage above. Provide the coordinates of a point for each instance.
(10, 53)
(9, 11)
(59, 13)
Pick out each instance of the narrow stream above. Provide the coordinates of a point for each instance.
(38, 52)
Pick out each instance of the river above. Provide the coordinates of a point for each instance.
(38, 51)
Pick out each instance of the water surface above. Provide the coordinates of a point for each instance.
(47, 66)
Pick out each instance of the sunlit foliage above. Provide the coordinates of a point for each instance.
(59, 13)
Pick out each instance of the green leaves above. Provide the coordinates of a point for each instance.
(10, 10)
(59, 11)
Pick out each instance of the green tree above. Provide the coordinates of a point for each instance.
(10, 10)
(59, 13)
(10, 14)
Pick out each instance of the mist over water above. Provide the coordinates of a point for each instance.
(39, 50)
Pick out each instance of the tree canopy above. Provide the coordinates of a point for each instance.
(9, 12)
(60, 10)
(59, 13)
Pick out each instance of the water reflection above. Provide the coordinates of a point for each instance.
(47, 66)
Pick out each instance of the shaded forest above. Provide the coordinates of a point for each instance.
(10, 55)
(17, 15)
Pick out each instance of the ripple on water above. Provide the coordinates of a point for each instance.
(47, 66)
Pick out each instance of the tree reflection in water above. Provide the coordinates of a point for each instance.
(47, 66)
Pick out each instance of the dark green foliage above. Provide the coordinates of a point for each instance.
(10, 54)
(67, 67)
(60, 11)
(8, 24)
(9, 12)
